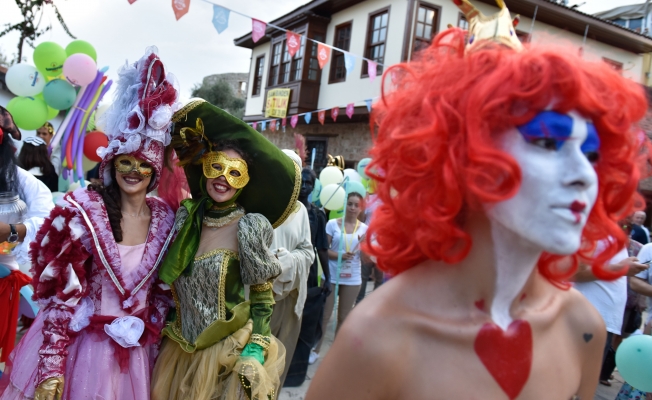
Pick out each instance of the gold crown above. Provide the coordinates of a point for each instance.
(496, 28)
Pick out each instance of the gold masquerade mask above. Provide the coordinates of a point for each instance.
(125, 164)
(218, 164)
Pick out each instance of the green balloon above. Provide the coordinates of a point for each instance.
(59, 94)
(634, 361)
(334, 214)
(49, 58)
(81, 46)
(52, 113)
(29, 113)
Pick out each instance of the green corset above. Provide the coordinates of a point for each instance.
(210, 303)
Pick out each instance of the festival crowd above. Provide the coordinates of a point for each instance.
(196, 262)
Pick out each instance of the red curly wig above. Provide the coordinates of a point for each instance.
(435, 143)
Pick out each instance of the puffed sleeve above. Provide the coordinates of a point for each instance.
(59, 278)
(38, 199)
(258, 268)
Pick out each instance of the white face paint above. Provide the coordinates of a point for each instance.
(559, 185)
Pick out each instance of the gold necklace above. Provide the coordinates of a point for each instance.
(215, 223)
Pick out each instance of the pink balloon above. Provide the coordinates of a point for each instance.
(80, 69)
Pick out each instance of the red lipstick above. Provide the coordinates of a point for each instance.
(577, 206)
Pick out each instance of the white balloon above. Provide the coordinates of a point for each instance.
(24, 80)
(332, 197)
(330, 175)
(353, 175)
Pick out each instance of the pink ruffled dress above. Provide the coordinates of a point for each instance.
(104, 342)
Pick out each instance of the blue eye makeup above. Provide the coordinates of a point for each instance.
(550, 129)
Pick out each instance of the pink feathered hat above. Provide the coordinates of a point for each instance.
(139, 120)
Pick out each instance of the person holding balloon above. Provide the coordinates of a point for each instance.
(348, 274)
(96, 258)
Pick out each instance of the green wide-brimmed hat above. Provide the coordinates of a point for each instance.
(274, 179)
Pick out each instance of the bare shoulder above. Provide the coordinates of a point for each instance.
(581, 313)
(584, 322)
(366, 347)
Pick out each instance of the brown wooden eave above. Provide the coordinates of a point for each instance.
(575, 21)
(314, 9)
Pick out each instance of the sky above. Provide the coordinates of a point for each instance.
(191, 48)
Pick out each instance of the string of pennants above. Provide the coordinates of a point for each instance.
(278, 123)
(293, 40)
(220, 20)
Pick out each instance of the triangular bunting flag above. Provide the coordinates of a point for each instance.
(272, 125)
(307, 117)
(293, 120)
(335, 111)
(368, 102)
(131, 1)
(255, 125)
(180, 8)
(284, 122)
(257, 29)
(349, 62)
(323, 54)
(321, 116)
(263, 126)
(350, 109)
(220, 18)
(293, 42)
(372, 69)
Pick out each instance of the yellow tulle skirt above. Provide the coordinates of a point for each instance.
(218, 371)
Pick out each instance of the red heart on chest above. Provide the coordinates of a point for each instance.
(507, 355)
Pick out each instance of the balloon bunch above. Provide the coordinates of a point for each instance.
(61, 79)
(72, 132)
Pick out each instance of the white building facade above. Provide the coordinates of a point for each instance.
(390, 32)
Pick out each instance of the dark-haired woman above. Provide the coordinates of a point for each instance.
(95, 263)
(35, 160)
(219, 345)
(348, 276)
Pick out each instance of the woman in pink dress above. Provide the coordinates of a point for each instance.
(96, 258)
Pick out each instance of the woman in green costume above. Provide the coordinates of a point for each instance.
(217, 345)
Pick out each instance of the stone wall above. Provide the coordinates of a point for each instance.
(351, 140)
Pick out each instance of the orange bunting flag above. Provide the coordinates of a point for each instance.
(272, 125)
(323, 54)
(321, 116)
(293, 42)
(180, 8)
(335, 111)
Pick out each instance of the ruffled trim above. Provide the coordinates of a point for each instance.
(59, 257)
(158, 239)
